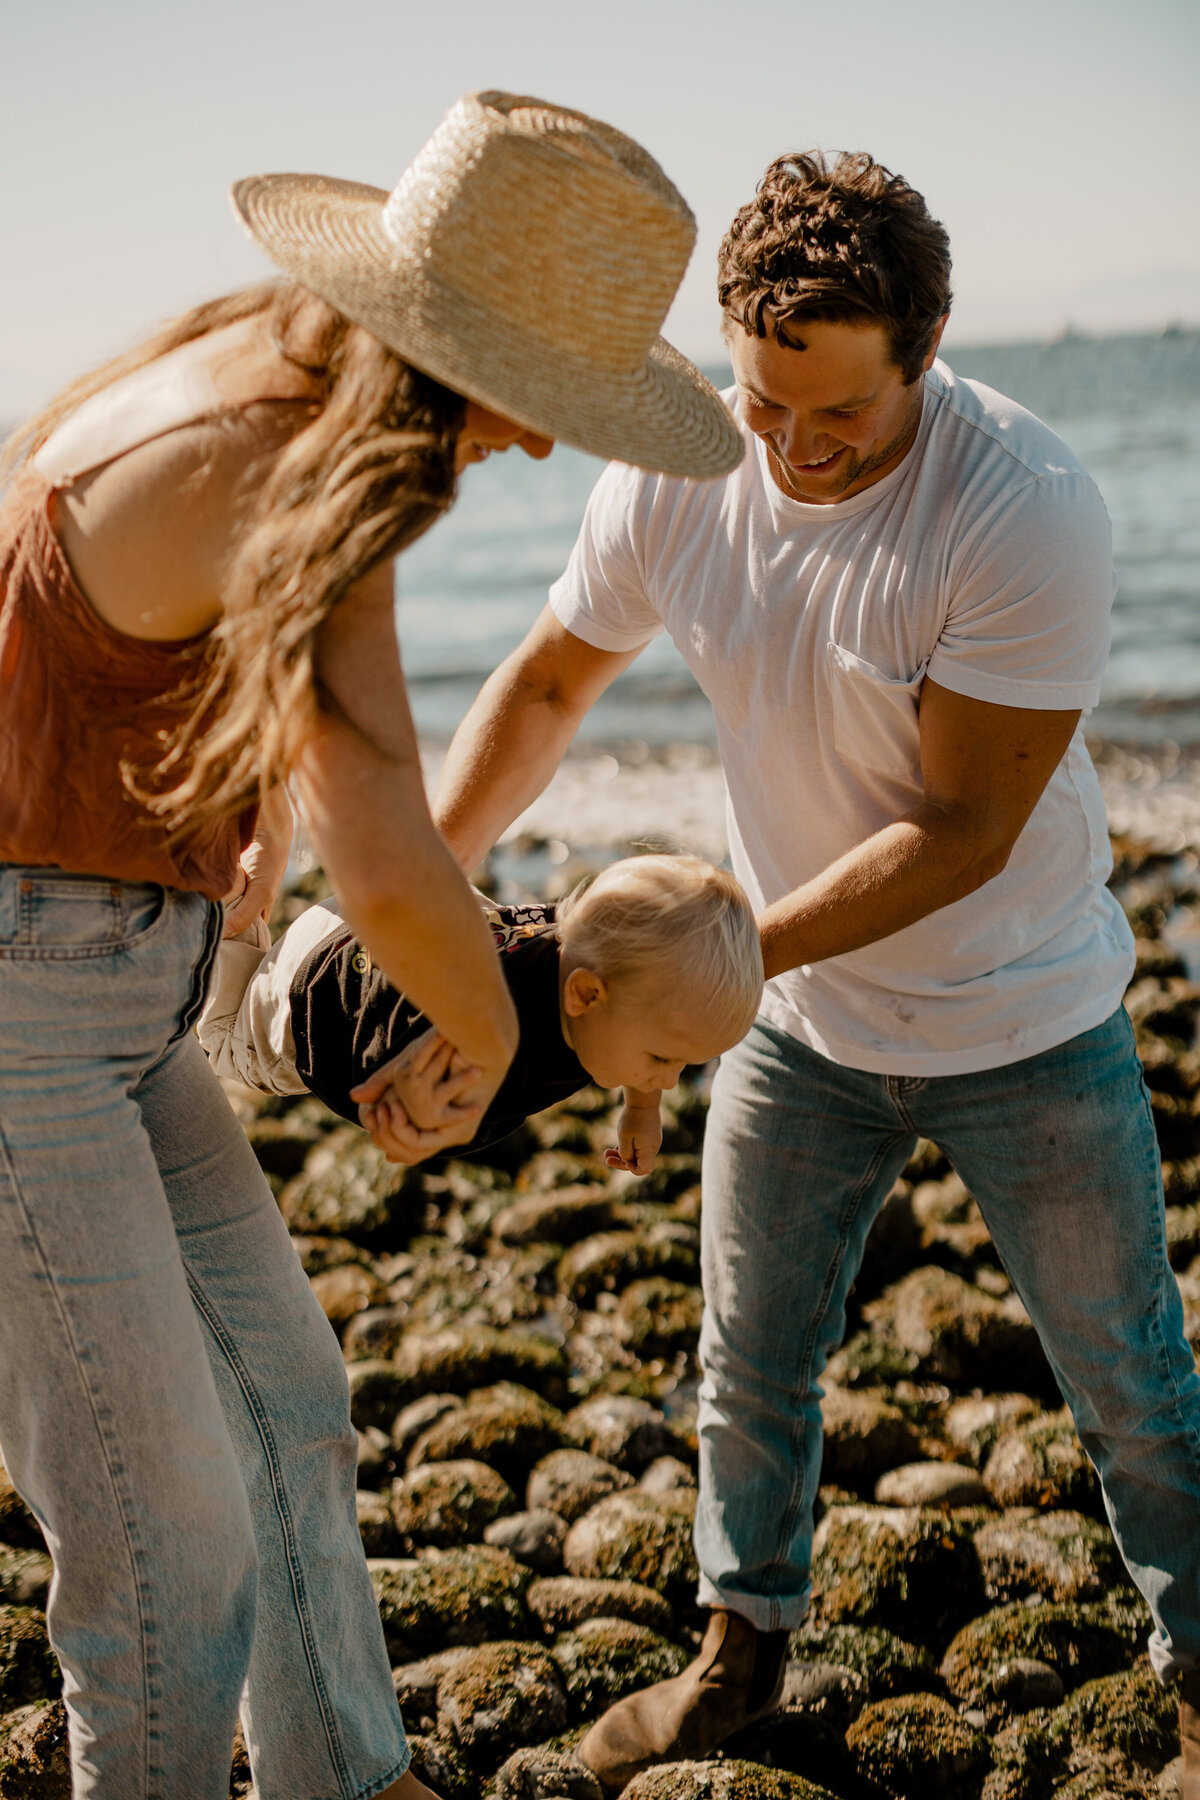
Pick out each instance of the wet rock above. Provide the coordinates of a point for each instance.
(863, 1436)
(25, 1577)
(448, 1503)
(376, 1391)
(1130, 1714)
(348, 1188)
(622, 1430)
(887, 1665)
(605, 1659)
(960, 1334)
(570, 1482)
(611, 1261)
(900, 1568)
(728, 1780)
(375, 1528)
(1025, 1683)
(28, 1666)
(453, 1597)
(664, 1474)
(638, 1537)
(507, 1426)
(1042, 1463)
(930, 1484)
(1066, 1639)
(534, 1538)
(561, 1217)
(828, 1690)
(976, 1426)
(497, 1699)
(345, 1291)
(463, 1358)
(442, 1767)
(564, 1603)
(916, 1745)
(544, 1774)
(1057, 1555)
(659, 1317)
(36, 1756)
(18, 1526)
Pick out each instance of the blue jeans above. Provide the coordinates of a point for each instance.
(173, 1404)
(1059, 1151)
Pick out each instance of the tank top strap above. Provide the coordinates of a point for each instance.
(194, 382)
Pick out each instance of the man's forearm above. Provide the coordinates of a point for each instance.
(902, 874)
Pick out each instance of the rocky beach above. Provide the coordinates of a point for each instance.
(520, 1337)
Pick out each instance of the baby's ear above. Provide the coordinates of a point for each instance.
(582, 990)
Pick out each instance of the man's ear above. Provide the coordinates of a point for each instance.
(934, 347)
(582, 990)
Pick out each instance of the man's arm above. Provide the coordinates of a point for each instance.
(983, 771)
(511, 742)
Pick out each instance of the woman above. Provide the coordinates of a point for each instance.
(195, 605)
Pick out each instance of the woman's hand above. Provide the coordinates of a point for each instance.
(262, 866)
(421, 1102)
(639, 1135)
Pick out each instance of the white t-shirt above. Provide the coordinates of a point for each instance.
(984, 560)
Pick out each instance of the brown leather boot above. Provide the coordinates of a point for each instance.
(1189, 1735)
(736, 1679)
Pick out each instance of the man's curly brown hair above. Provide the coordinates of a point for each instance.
(836, 239)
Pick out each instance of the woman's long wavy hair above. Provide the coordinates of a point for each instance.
(366, 477)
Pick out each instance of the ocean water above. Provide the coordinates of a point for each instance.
(1128, 406)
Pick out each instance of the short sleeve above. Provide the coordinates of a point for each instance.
(1030, 600)
(601, 596)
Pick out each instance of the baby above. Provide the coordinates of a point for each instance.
(652, 965)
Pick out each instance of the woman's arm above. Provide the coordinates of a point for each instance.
(359, 788)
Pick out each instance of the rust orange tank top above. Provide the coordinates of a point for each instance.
(78, 698)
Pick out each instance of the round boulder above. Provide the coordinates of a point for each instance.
(638, 1537)
(864, 1434)
(931, 1484)
(885, 1664)
(541, 1773)
(497, 1699)
(570, 1482)
(732, 1779)
(916, 1746)
(565, 1602)
(619, 1429)
(1130, 1714)
(1057, 1555)
(1062, 1638)
(506, 1426)
(1042, 1463)
(449, 1503)
(902, 1568)
(605, 1659)
(534, 1538)
(455, 1597)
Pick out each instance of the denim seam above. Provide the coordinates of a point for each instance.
(258, 1412)
(898, 1103)
(107, 1449)
(800, 1428)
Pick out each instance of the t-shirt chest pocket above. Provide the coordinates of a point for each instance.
(874, 716)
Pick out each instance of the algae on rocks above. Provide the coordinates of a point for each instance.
(28, 1666)
(602, 1660)
(906, 1569)
(638, 1537)
(1077, 1646)
(451, 1597)
(917, 1746)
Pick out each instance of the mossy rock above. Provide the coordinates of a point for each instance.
(728, 1780)
(869, 1359)
(28, 1666)
(508, 1427)
(1026, 1766)
(609, 1262)
(905, 1569)
(1061, 1556)
(863, 1436)
(442, 1767)
(347, 1188)
(466, 1596)
(634, 1536)
(449, 1503)
(542, 1772)
(377, 1392)
(960, 1334)
(1124, 1611)
(497, 1699)
(1109, 1779)
(658, 1317)
(975, 1426)
(888, 1665)
(570, 1482)
(605, 1659)
(282, 1145)
(624, 1430)
(1078, 1648)
(1131, 1714)
(562, 1603)
(35, 1757)
(467, 1357)
(25, 1577)
(1042, 1463)
(804, 1743)
(916, 1746)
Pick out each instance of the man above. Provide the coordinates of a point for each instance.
(898, 607)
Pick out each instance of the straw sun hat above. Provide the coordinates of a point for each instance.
(526, 259)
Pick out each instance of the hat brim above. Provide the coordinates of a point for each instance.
(327, 235)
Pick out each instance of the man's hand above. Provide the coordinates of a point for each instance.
(421, 1102)
(639, 1134)
(262, 866)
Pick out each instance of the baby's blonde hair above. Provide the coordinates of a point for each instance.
(670, 916)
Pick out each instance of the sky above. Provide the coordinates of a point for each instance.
(1058, 140)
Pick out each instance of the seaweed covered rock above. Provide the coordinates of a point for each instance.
(1076, 1647)
(622, 1430)
(35, 1757)
(534, 1538)
(1131, 1714)
(463, 1596)
(612, 1260)
(960, 1334)
(863, 1436)
(28, 1666)
(544, 1774)
(347, 1188)
(1057, 1555)
(1042, 1463)
(570, 1482)
(1025, 1766)
(640, 1537)
(901, 1568)
(497, 1699)
(974, 1427)
(605, 1659)
(466, 1357)
(660, 1317)
(507, 1426)
(916, 1746)
(441, 1766)
(449, 1503)
(563, 1603)
(728, 1780)
(25, 1577)
(887, 1665)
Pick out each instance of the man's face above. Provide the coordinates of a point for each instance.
(836, 416)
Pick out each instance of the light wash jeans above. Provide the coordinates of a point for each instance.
(173, 1405)
(1060, 1152)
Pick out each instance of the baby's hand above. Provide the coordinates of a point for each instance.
(412, 1105)
(639, 1136)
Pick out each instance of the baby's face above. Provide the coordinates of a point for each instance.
(626, 1036)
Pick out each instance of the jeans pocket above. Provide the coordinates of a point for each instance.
(57, 916)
